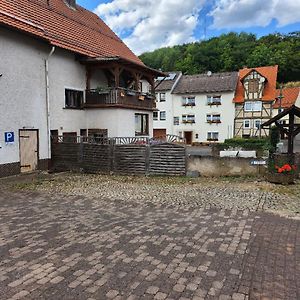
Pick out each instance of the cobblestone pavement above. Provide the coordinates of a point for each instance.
(72, 247)
(226, 193)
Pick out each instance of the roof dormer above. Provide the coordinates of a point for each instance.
(253, 83)
(71, 3)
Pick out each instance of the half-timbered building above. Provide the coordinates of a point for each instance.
(254, 99)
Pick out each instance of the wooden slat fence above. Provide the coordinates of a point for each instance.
(124, 159)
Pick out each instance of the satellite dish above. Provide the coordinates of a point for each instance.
(209, 73)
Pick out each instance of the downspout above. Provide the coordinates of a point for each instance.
(48, 100)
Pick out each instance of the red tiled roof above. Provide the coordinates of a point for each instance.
(77, 30)
(290, 96)
(270, 73)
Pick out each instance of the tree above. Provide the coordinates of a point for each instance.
(231, 52)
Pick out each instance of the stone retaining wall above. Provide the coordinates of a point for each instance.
(223, 166)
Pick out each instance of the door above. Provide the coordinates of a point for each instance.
(188, 135)
(28, 150)
(160, 133)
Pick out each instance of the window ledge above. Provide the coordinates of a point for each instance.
(73, 108)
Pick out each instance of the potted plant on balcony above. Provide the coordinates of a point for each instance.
(102, 89)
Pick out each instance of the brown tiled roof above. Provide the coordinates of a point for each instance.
(290, 96)
(203, 83)
(167, 84)
(270, 73)
(77, 30)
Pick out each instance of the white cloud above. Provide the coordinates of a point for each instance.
(249, 13)
(152, 24)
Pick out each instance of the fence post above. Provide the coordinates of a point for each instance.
(80, 154)
(112, 155)
(147, 158)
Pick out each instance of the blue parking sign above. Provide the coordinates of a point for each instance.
(9, 137)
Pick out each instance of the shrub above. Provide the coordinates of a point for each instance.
(258, 144)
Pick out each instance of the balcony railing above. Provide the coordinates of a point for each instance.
(119, 97)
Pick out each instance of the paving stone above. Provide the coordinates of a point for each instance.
(86, 246)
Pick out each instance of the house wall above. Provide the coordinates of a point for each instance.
(166, 106)
(22, 95)
(200, 110)
(65, 72)
(119, 122)
(240, 116)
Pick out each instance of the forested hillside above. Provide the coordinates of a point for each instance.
(230, 52)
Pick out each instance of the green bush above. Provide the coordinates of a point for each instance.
(258, 144)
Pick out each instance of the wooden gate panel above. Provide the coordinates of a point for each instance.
(28, 150)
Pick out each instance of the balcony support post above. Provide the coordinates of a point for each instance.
(88, 78)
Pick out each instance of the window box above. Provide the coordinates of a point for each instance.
(214, 121)
(130, 93)
(189, 122)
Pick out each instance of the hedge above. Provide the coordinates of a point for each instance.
(246, 144)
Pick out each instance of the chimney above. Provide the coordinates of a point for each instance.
(71, 3)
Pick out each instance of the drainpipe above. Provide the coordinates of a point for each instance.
(48, 99)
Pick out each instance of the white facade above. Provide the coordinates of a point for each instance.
(187, 115)
(22, 92)
(163, 118)
(23, 96)
(201, 128)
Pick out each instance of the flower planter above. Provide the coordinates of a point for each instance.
(280, 178)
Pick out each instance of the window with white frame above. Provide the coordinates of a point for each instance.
(253, 106)
(188, 101)
(155, 115)
(162, 97)
(213, 118)
(176, 120)
(188, 119)
(214, 100)
(257, 124)
(213, 136)
(247, 124)
(162, 115)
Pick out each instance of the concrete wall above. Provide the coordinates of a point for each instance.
(22, 91)
(201, 127)
(225, 166)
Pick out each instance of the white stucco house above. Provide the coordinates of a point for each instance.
(64, 72)
(163, 117)
(200, 107)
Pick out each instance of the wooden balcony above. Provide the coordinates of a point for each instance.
(120, 98)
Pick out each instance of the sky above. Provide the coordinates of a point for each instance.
(146, 25)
